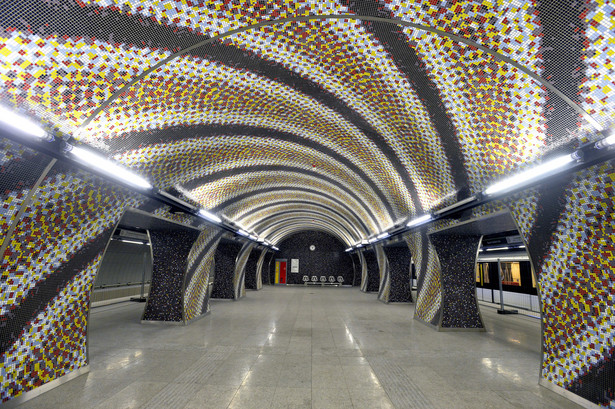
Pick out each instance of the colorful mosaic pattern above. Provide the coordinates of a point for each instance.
(576, 283)
(402, 118)
(429, 296)
(384, 286)
(198, 274)
(54, 342)
(240, 270)
(48, 269)
(260, 267)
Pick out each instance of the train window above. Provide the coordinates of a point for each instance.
(511, 273)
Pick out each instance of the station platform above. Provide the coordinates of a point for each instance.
(306, 347)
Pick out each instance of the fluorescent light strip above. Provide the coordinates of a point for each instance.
(348, 249)
(606, 142)
(106, 166)
(383, 236)
(18, 122)
(243, 233)
(419, 220)
(275, 248)
(529, 175)
(504, 258)
(498, 248)
(372, 240)
(253, 237)
(134, 242)
(209, 216)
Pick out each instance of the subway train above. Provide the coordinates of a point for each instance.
(518, 281)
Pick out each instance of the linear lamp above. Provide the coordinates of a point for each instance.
(22, 124)
(209, 216)
(529, 175)
(107, 167)
(419, 220)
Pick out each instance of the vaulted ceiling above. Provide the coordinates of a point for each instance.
(346, 117)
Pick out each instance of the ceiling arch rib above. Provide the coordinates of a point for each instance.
(128, 146)
(268, 221)
(352, 188)
(257, 203)
(276, 233)
(496, 47)
(288, 208)
(218, 195)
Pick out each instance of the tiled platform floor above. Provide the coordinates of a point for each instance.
(301, 347)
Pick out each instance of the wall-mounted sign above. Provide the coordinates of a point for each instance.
(294, 265)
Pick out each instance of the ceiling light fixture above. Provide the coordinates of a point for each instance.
(606, 142)
(419, 221)
(93, 160)
(383, 235)
(529, 175)
(209, 216)
(19, 123)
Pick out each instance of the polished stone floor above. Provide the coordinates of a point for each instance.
(296, 347)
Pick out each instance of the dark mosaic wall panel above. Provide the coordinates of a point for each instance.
(399, 259)
(576, 272)
(327, 259)
(254, 265)
(457, 255)
(171, 249)
(373, 271)
(225, 258)
(48, 270)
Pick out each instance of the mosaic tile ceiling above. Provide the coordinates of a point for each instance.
(363, 113)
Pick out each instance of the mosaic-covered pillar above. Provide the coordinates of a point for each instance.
(356, 270)
(253, 278)
(570, 242)
(363, 275)
(56, 224)
(399, 262)
(170, 249)
(225, 261)
(240, 270)
(457, 255)
(429, 297)
(199, 276)
(372, 279)
(384, 282)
